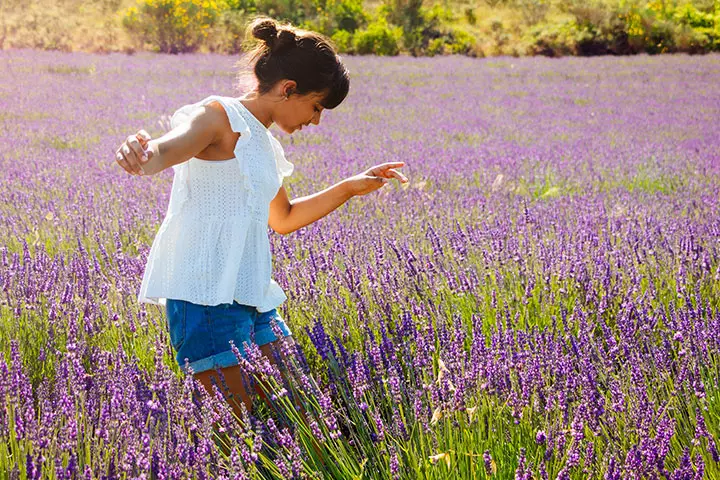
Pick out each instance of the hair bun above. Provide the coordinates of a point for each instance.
(266, 30)
(286, 38)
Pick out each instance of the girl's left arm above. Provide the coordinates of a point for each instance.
(287, 216)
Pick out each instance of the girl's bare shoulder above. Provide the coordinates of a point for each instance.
(216, 118)
(216, 114)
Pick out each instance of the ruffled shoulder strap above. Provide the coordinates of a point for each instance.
(237, 121)
(184, 114)
(284, 168)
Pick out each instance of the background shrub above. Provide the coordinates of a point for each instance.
(419, 25)
(228, 33)
(334, 16)
(462, 42)
(294, 11)
(410, 17)
(436, 46)
(698, 30)
(379, 38)
(532, 11)
(343, 40)
(173, 26)
(453, 41)
(470, 16)
(555, 40)
(601, 27)
(347, 15)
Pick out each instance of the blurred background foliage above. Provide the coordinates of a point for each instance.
(384, 27)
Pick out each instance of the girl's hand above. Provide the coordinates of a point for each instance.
(375, 177)
(133, 153)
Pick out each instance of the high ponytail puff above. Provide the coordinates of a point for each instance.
(276, 40)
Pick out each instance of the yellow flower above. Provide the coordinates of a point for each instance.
(437, 415)
(493, 467)
(471, 412)
(440, 456)
(442, 370)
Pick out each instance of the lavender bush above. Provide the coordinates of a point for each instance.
(540, 301)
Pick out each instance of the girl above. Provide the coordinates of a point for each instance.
(210, 264)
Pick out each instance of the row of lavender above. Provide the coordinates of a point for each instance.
(541, 300)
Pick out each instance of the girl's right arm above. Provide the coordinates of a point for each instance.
(139, 155)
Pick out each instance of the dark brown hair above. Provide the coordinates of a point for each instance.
(306, 57)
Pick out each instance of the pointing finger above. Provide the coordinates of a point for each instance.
(385, 166)
(398, 175)
(376, 170)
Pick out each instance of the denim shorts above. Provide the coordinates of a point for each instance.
(202, 333)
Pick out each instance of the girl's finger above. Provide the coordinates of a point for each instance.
(120, 158)
(134, 143)
(386, 167)
(390, 165)
(393, 165)
(141, 155)
(132, 156)
(143, 136)
(376, 178)
(377, 169)
(398, 175)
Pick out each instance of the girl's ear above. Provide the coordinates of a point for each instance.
(289, 87)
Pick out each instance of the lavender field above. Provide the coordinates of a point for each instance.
(540, 300)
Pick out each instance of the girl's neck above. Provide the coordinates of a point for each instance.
(259, 107)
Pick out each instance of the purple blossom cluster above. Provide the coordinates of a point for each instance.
(540, 301)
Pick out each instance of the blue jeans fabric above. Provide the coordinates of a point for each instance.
(201, 333)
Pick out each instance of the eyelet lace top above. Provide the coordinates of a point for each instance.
(213, 247)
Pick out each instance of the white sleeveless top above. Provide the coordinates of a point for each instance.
(213, 247)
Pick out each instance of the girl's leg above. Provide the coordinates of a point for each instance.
(234, 379)
(267, 350)
(235, 395)
(214, 327)
(238, 393)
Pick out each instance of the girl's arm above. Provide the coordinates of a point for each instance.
(140, 155)
(286, 216)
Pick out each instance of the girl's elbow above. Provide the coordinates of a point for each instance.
(286, 229)
(280, 229)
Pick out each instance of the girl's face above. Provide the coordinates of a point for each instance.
(298, 111)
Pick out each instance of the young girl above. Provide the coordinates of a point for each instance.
(210, 263)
